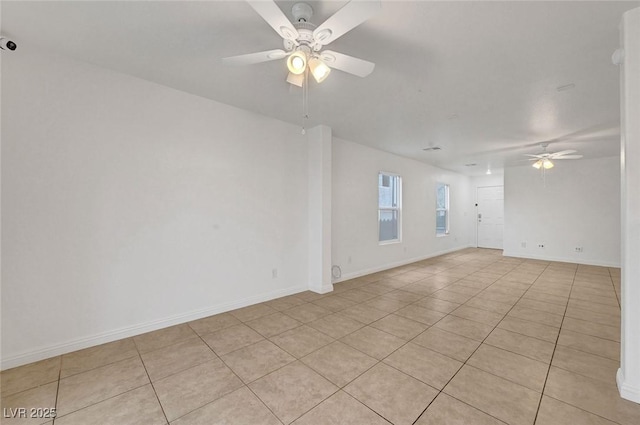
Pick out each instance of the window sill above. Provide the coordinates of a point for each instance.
(391, 242)
(442, 235)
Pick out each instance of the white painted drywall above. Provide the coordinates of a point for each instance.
(577, 205)
(355, 246)
(128, 206)
(486, 180)
(628, 377)
(319, 195)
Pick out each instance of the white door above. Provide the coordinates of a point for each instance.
(490, 216)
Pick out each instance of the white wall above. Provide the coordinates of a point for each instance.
(319, 207)
(578, 207)
(355, 245)
(484, 181)
(128, 206)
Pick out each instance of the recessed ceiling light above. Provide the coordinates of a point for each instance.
(566, 87)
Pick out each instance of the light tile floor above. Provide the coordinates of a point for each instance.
(470, 337)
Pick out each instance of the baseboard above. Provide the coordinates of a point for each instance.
(324, 289)
(627, 391)
(359, 273)
(559, 259)
(110, 336)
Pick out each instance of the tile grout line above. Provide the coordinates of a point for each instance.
(378, 361)
(244, 384)
(199, 364)
(150, 381)
(496, 327)
(555, 346)
(97, 402)
(585, 411)
(440, 391)
(102, 401)
(339, 388)
(569, 404)
(102, 365)
(615, 291)
(55, 404)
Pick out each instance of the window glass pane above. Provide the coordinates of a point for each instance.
(441, 222)
(442, 209)
(441, 196)
(388, 225)
(389, 207)
(387, 191)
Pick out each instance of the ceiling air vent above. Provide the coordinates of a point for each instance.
(432, 148)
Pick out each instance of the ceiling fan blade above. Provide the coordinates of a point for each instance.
(271, 13)
(344, 20)
(347, 63)
(568, 157)
(567, 152)
(534, 156)
(253, 58)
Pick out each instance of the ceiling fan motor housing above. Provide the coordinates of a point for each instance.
(302, 12)
(305, 37)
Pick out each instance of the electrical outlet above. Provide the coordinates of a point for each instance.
(274, 273)
(540, 245)
(578, 249)
(523, 244)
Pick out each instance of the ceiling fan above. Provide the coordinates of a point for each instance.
(543, 160)
(304, 42)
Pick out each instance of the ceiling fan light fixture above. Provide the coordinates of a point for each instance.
(295, 79)
(537, 165)
(547, 164)
(319, 69)
(297, 62)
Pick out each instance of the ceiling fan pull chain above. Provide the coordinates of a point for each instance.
(305, 101)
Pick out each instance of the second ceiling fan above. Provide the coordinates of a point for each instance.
(304, 42)
(543, 160)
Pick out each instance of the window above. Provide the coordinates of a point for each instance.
(389, 201)
(442, 209)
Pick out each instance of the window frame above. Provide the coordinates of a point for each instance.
(446, 209)
(397, 208)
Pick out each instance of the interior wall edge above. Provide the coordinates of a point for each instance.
(627, 391)
(42, 353)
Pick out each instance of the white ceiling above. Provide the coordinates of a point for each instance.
(476, 78)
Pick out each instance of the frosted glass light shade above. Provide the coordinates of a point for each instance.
(319, 69)
(297, 62)
(295, 79)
